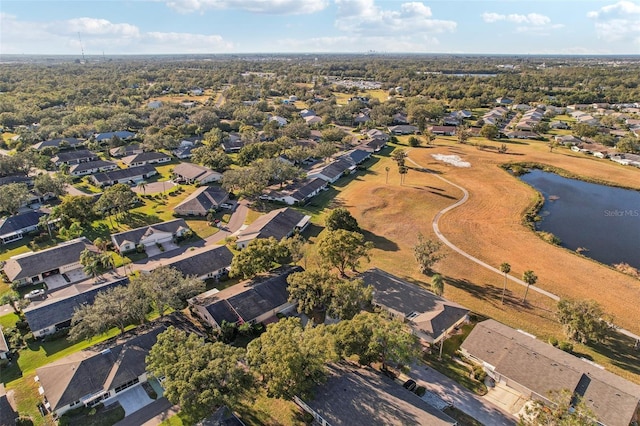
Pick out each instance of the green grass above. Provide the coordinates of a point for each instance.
(100, 416)
(9, 320)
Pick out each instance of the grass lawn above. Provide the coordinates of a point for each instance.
(9, 320)
(97, 416)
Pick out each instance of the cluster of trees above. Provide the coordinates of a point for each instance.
(15, 195)
(161, 290)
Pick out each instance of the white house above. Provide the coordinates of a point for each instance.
(149, 235)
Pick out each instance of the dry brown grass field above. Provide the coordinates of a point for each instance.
(489, 227)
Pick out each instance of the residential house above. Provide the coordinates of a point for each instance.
(223, 416)
(56, 310)
(373, 145)
(15, 227)
(34, 267)
(197, 92)
(92, 167)
(355, 396)
(61, 143)
(280, 120)
(400, 118)
(159, 233)
(533, 368)
(504, 101)
(123, 135)
(74, 157)
(127, 150)
(232, 143)
(313, 119)
(356, 156)
(194, 173)
(464, 114)
(567, 140)
(431, 317)
(254, 301)
(361, 118)
(443, 130)
(333, 171)
(154, 104)
(146, 158)
(307, 113)
(203, 200)
(96, 375)
(299, 192)
(281, 223)
(4, 348)
(129, 176)
(209, 262)
(521, 134)
(27, 180)
(8, 414)
(559, 125)
(375, 134)
(451, 120)
(403, 129)
(186, 146)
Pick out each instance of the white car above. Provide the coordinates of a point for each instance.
(226, 206)
(34, 293)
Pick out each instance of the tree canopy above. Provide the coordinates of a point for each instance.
(343, 249)
(259, 256)
(199, 376)
(583, 320)
(166, 288)
(341, 218)
(427, 253)
(13, 196)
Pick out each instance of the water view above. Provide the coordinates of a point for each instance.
(601, 219)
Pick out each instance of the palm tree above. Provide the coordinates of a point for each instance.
(106, 260)
(386, 169)
(505, 268)
(437, 284)
(143, 185)
(530, 278)
(11, 298)
(90, 263)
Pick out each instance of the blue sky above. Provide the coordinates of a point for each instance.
(320, 26)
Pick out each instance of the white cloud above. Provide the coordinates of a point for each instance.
(413, 19)
(275, 7)
(530, 18)
(100, 35)
(618, 22)
(357, 44)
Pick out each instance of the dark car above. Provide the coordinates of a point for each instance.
(409, 384)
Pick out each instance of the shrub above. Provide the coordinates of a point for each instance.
(478, 373)
(140, 248)
(22, 325)
(420, 391)
(24, 421)
(553, 341)
(566, 346)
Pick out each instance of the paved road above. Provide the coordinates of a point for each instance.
(461, 397)
(455, 248)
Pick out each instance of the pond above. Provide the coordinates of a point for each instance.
(601, 219)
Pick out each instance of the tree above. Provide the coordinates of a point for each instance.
(250, 181)
(583, 130)
(399, 156)
(199, 376)
(530, 279)
(403, 171)
(565, 409)
(13, 196)
(374, 338)
(341, 218)
(628, 144)
(11, 298)
(119, 198)
(505, 268)
(142, 185)
(259, 256)
(489, 131)
(437, 284)
(552, 145)
(462, 134)
(583, 320)
(324, 150)
(166, 288)
(291, 359)
(343, 249)
(429, 136)
(90, 262)
(74, 208)
(47, 184)
(427, 254)
(414, 141)
(214, 158)
(320, 292)
(295, 245)
(111, 308)
(387, 169)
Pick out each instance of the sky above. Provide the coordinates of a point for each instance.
(114, 27)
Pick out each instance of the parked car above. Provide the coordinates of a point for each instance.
(410, 384)
(226, 206)
(34, 293)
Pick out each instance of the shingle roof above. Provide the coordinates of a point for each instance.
(88, 372)
(134, 235)
(123, 134)
(56, 143)
(124, 150)
(203, 261)
(356, 156)
(145, 156)
(89, 165)
(193, 171)
(20, 221)
(277, 223)
(202, 200)
(333, 169)
(430, 313)
(58, 310)
(130, 173)
(542, 368)
(354, 396)
(79, 154)
(31, 264)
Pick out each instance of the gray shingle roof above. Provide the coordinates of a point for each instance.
(277, 223)
(79, 154)
(202, 200)
(58, 310)
(31, 264)
(56, 143)
(134, 235)
(130, 173)
(354, 396)
(88, 165)
(542, 368)
(145, 156)
(19, 222)
(334, 169)
(193, 171)
(202, 262)
(87, 372)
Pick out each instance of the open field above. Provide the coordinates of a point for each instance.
(381, 95)
(489, 226)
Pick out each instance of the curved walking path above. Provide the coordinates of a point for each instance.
(458, 250)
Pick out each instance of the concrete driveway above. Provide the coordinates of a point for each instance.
(133, 399)
(461, 397)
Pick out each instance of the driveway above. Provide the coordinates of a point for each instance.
(461, 398)
(150, 415)
(133, 399)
